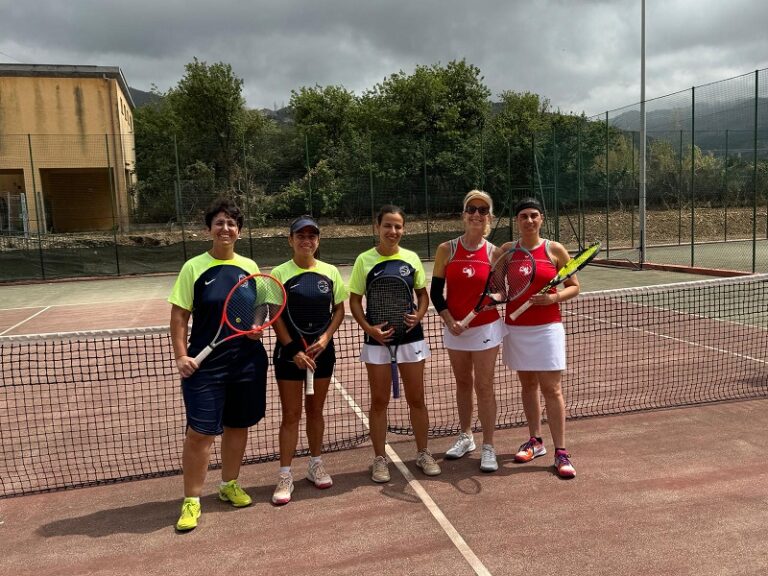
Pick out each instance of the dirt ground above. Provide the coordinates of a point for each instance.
(623, 227)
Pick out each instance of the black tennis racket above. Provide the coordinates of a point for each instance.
(574, 265)
(309, 310)
(388, 300)
(252, 304)
(510, 276)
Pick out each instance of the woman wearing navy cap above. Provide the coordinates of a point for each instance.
(314, 286)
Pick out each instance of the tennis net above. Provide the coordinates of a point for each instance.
(89, 408)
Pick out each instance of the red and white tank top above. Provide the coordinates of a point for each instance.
(546, 269)
(465, 276)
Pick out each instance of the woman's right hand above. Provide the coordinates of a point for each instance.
(381, 335)
(186, 366)
(452, 324)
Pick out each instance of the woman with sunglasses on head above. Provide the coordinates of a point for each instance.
(389, 259)
(316, 295)
(535, 342)
(461, 269)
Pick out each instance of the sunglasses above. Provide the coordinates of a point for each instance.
(482, 210)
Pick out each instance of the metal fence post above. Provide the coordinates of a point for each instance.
(112, 193)
(693, 170)
(179, 204)
(39, 207)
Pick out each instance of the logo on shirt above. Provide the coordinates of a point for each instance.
(468, 271)
(404, 270)
(323, 287)
(378, 272)
(471, 255)
(210, 281)
(525, 269)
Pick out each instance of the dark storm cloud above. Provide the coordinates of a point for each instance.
(582, 56)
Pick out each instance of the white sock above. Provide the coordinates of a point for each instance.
(315, 459)
(285, 470)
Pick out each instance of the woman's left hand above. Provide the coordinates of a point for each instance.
(544, 299)
(412, 320)
(317, 347)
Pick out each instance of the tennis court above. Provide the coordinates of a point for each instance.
(664, 491)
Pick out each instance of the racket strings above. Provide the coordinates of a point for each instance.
(310, 312)
(388, 301)
(253, 303)
(511, 276)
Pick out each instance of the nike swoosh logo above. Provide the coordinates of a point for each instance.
(292, 287)
(210, 281)
(377, 273)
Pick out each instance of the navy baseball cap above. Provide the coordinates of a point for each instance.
(304, 222)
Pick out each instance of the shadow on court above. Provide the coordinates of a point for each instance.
(672, 492)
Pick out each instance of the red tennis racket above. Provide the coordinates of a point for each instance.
(252, 305)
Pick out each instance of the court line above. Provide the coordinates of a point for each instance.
(691, 343)
(25, 320)
(453, 534)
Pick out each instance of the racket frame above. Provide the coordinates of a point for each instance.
(393, 346)
(490, 294)
(586, 256)
(237, 332)
(309, 379)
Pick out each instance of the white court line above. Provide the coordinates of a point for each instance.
(691, 343)
(453, 534)
(25, 320)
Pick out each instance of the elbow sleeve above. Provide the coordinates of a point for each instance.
(436, 294)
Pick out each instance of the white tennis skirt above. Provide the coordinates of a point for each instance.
(476, 338)
(412, 352)
(535, 348)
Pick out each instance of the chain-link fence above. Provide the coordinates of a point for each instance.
(68, 209)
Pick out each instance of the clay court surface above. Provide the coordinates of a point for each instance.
(676, 491)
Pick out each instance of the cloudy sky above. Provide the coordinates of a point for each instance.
(583, 55)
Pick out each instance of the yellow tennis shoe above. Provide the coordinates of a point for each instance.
(190, 512)
(231, 492)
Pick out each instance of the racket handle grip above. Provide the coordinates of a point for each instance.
(395, 381)
(516, 314)
(467, 319)
(203, 354)
(309, 389)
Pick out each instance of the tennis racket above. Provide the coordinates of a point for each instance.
(510, 276)
(309, 310)
(388, 300)
(252, 304)
(574, 265)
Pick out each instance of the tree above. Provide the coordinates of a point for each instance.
(324, 115)
(154, 197)
(210, 110)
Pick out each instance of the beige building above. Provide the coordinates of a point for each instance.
(67, 157)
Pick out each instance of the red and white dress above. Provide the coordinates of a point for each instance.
(465, 276)
(536, 340)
